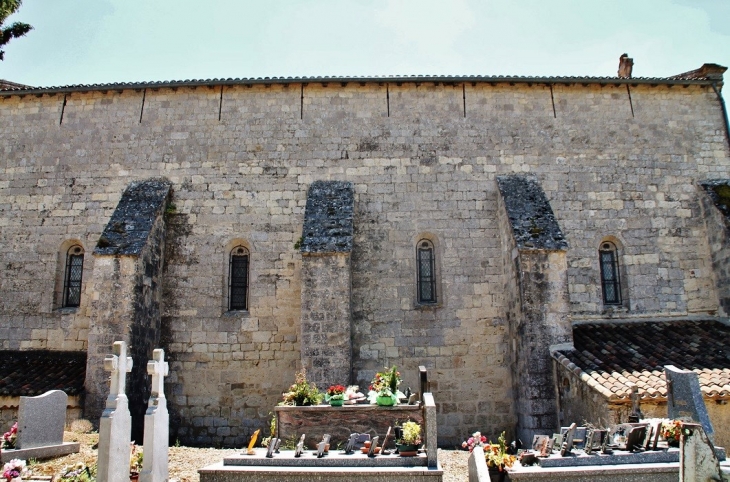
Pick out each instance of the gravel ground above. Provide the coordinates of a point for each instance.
(185, 461)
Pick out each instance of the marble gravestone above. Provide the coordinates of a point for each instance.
(156, 423)
(41, 420)
(115, 425)
(684, 398)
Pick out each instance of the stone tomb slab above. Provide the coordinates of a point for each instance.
(580, 459)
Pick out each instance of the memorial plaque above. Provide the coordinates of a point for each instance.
(538, 441)
(271, 448)
(568, 440)
(545, 448)
(384, 448)
(373, 446)
(589, 441)
(278, 444)
(350, 445)
(557, 440)
(320, 449)
(254, 437)
(635, 438)
(300, 447)
(657, 432)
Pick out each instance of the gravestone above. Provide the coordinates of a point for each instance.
(156, 423)
(41, 420)
(300, 447)
(684, 398)
(115, 425)
(698, 461)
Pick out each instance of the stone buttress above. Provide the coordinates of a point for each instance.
(326, 248)
(538, 311)
(126, 290)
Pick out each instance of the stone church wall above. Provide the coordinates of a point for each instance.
(423, 160)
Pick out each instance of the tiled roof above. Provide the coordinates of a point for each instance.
(608, 356)
(694, 77)
(32, 373)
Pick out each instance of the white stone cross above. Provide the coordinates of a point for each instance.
(159, 369)
(119, 364)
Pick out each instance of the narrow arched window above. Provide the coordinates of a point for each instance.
(238, 279)
(426, 259)
(73, 276)
(610, 278)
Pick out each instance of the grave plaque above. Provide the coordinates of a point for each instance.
(278, 444)
(538, 441)
(373, 446)
(383, 447)
(589, 441)
(250, 450)
(350, 445)
(684, 398)
(300, 447)
(320, 449)
(568, 440)
(271, 448)
(635, 438)
(657, 431)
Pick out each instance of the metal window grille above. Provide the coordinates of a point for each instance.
(610, 279)
(238, 280)
(426, 273)
(74, 274)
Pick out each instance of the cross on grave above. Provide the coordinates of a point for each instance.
(159, 369)
(119, 364)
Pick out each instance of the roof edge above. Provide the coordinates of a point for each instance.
(25, 90)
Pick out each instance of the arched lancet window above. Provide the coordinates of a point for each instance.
(426, 267)
(238, 279)
(73, 275)
(610, 277)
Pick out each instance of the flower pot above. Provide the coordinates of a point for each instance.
(407, 450)
(336, 403)
(384, 401)
(496, 475)
(133, 476)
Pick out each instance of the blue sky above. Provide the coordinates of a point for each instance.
(96, 41)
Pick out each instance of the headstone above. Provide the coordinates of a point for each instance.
(115, 425)
(384, 447)
(156, 423)
(684, 398)
(300, 447)
(271, 448)
(698, 461)
(373, 446)
(41, 420)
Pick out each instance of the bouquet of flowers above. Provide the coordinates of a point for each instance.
(336, 392)
(385, 384)
(302, 392)
(671, 431)
(13, 469)
(497, 455)
(9, 437)
(476, 440)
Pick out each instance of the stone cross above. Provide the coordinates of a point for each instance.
(115, 425)
(156, 423)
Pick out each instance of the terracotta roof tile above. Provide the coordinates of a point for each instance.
(32, 373)
(610, 356)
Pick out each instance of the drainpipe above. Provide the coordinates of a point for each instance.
(724, 112)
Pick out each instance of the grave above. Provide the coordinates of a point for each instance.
(156, 423)
(340, 465)
(684, 398)
(41, 421)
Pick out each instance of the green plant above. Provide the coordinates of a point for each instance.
(137, 459)
(272, 430)
(299, 242)
(497, 456)
(170, 208)
(302, 392)
(411, 434)
(290, 443)
(177, 442)
(79, 473)
(385, 384)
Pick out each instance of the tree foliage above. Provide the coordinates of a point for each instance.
(15, 29)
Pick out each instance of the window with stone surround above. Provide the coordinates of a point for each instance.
(73, 276)
(238, 272)
(610, 273)
(426, 272)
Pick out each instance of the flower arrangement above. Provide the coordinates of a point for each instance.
(9, 437)
(385, 384)
(13, 469)
(302, 392)
(671, 431)
(79, 473)
(476, 440)
(411, 434)
(497, 455)
(336, 392)
(136, 460)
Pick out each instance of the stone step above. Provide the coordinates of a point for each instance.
(332, 459)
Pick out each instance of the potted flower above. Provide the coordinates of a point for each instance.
(476, 440)
(302, 392)
(671, 431)
(498, 459)
(13, 470)
(409, 440)
(336, 395)
(384, 387)
(9, 437)
(135, 462)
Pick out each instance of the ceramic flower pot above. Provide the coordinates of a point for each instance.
(384, 401)
(334, 402)
(407, 450)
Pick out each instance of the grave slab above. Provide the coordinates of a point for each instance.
(41, 420)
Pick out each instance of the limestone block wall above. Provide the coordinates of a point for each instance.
(423, 159)
(718, 232)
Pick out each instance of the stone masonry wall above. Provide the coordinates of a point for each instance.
(423, 162)
(718, 232)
